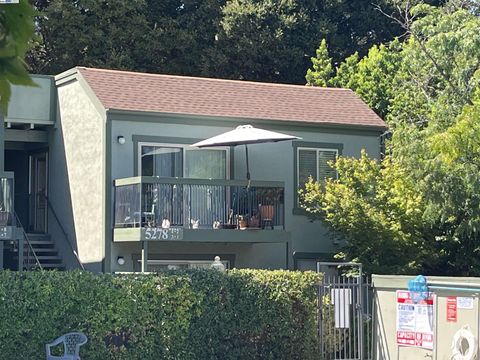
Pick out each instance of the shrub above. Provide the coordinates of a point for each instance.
(242, 314)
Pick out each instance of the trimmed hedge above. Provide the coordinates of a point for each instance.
(241, 314)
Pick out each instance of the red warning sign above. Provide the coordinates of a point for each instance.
(452, 308)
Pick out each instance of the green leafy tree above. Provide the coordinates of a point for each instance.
(377, 211)
(262, 40)
(322, 70)
(371, 77)
(16, 31)
(418, 210)
(273, 40)
(90, 33)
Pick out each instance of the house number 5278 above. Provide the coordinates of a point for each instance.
(163, 234)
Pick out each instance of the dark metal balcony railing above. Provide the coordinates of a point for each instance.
(198, 203)
(7, 217)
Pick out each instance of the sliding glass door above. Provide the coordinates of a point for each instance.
(199, 206)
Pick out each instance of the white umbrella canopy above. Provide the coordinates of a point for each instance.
(244, 135)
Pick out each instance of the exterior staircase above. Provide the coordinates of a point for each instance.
(46, 252)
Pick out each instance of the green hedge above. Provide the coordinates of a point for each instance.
(242, 314)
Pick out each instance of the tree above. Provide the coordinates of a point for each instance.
(273, 41)
(418, 210)
(322, 70)
(90, 33)
(376, 210)
(262, 40)
(371, 77)
(16, 30)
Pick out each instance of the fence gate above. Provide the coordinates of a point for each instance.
(345, 308)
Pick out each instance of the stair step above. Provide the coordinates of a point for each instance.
(42, 250)
(30, 255)
(40, 242)
(46, 257)
(38, 236)
(53, 266)
(45, 251)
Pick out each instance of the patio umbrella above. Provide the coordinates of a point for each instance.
(244, 135)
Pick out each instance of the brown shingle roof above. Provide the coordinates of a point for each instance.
(123, 90)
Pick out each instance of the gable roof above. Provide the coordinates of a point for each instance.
(134, 91)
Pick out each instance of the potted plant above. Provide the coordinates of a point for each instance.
(242, 222)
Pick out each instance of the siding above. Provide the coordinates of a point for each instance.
(79, 183)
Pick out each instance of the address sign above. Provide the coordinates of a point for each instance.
(163, 234)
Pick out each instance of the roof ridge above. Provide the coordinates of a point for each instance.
(212, 79)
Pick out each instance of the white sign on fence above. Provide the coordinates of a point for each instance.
(342, 300)
(415, 322)
(464, 302)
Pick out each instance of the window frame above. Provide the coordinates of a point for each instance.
(183, 147)
(317, 150)
(308, 145)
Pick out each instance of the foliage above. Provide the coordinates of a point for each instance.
(16, 30)
(418, 210)
(370, 77)
(440, 69)
(453, 196)
(243, 314)
(261, 40)
(377, 209)
(322, 67)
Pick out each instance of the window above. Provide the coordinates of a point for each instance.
(162, 265)
(166, 160)
(313, 162)
(159, 262)
(311, 159)
(304, 261)
(161, 161)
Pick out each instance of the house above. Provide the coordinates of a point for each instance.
(105, 177)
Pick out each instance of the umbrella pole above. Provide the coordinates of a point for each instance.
(248, 168)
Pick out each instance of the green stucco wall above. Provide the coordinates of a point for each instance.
(76, 175)
(269, 162)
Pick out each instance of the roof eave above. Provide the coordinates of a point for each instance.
(243, 120)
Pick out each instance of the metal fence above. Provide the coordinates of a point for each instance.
(345, 312)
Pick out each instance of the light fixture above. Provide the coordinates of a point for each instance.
(121, 260)
(121, 139)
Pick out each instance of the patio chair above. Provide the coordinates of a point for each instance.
(266, 215)
(71, 345)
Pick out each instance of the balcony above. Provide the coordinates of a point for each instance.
(180, 209)
(7, 218)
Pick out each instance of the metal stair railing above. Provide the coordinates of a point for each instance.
(65, 234)
(29, 245)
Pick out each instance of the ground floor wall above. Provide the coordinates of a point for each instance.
(263, 256)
